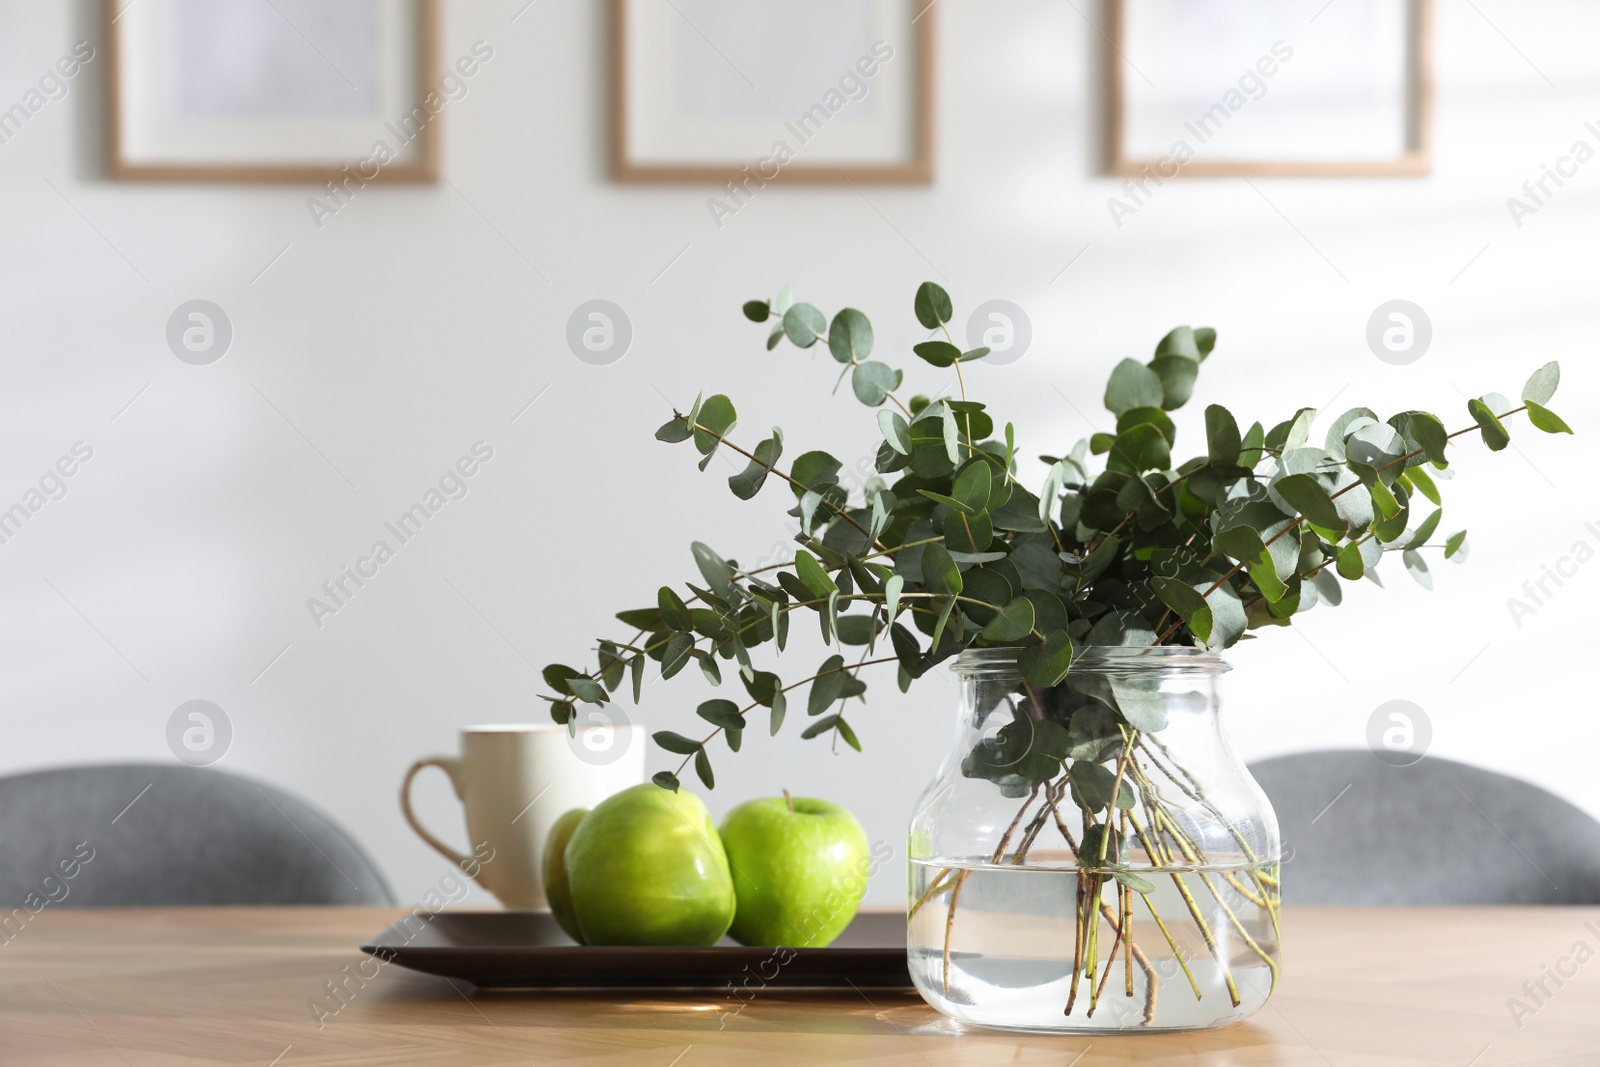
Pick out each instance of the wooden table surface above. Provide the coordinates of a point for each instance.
(141, 988)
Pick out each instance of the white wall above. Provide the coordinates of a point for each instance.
(408, 328)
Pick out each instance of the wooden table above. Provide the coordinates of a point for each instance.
(234, 986)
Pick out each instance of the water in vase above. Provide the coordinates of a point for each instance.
(1015, 932)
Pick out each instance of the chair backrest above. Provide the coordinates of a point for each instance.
(1359, 831)
(166, 835)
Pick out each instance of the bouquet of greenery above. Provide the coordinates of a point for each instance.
(956, 548)
(946, 549)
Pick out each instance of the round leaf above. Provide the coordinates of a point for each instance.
(1012, 623)
(804, 324)
(1133, 385)
(850, 336)
(933, 306)
(1046, 664)
(873, 382)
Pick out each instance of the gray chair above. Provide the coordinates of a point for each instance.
(1359, 831)
(169, 835)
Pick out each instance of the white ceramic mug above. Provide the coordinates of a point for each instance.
(515, 781)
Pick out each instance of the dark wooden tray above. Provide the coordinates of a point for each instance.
(527, 950)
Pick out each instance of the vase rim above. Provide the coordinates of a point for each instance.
(994, 662)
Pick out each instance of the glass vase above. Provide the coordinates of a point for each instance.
(1094, 857)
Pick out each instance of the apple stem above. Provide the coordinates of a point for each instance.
(789, 800)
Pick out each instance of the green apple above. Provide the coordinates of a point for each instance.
(802, 867)
(646, 867)
(556, 889)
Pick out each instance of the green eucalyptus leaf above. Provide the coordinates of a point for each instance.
(1047, 663)
(1425, 531)
(850, 336)
(1542, 385)
(812, 574)
(1351, 564)
(848, 734)
(973, 486)
(891, 598)
(1424, 484)
(1384, 500)
(821, 726)
(702, 769)
(1096, 785)
(1182, 341)
(939, 572)
(1308, 497)
(1138, 449)
(1121, 628)
(1154, 416)
(1493, 430)
(896, 431)
(933, 306)
(804, 324)
(1228, 620)
(948, 501)
(857, 630)
(715, 419)
(557, 674)
(723, 713)
(970, 534)
(748, 482)
(1222, 436)
(1012, 622)
(1250, 452)
(938, 353)
(1455, 543)
(1142, 709)
(1545, 419)
(587, 690)
(757, 310)
(674, 612)
(676, 743)
(1343, 426)
(939, 627)
(763, 687)
(1177, 375)
(1133, 385)
(873, 382)
(674, 430)
(813, 470)
(950, 430)
(828, 686)
(1187, 602)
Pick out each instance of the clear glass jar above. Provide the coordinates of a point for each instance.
(1021, 892)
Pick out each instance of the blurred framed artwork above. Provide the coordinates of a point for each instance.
(272, 90)
(1292, 88)
(730, 90)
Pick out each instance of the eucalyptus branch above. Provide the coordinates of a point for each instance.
(712, 736)
(992, 549)
(1301, 520)
(721, 439)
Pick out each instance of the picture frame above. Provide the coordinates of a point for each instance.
(1360, 105)
(682, 110)
(243, 94)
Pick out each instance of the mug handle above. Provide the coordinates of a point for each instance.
(451, 766)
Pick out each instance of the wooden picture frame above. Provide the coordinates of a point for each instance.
(917, 168)
(1414, 160)
(421, 168)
